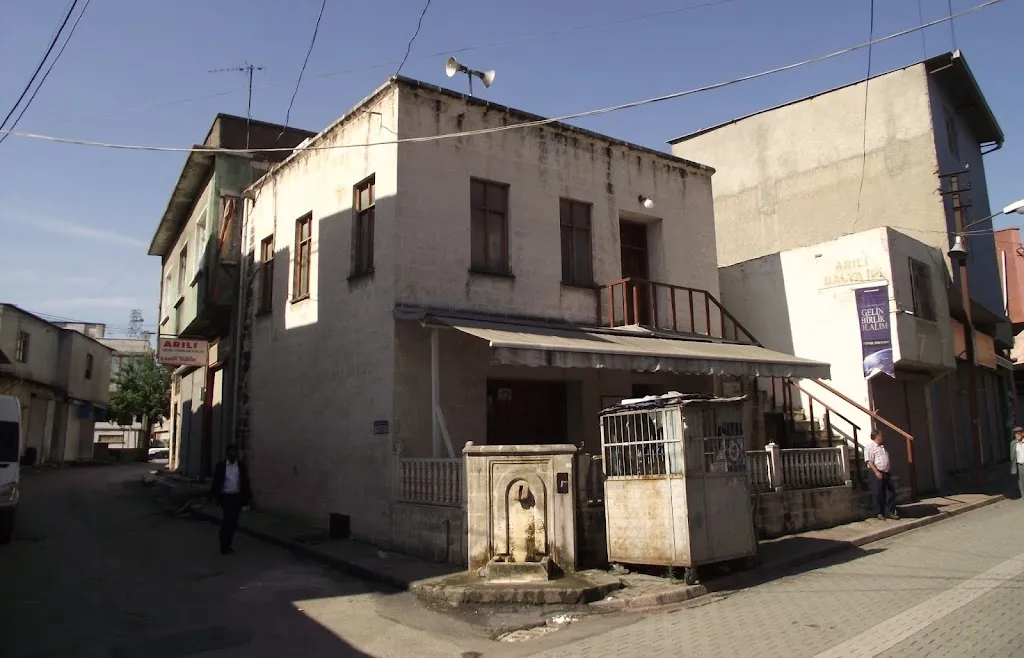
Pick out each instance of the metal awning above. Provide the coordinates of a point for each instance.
(524, 345)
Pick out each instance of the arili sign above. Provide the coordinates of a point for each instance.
(177, 351)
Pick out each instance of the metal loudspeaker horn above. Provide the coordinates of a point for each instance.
(452, 66)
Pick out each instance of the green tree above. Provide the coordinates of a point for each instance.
(142, 394)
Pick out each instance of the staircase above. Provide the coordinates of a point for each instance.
(698, 313)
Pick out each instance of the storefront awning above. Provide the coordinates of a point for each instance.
(524, 345)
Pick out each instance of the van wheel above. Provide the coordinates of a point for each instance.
(6, 526)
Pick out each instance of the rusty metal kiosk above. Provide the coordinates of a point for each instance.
(676, 490)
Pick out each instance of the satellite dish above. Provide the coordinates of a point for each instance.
(451, 67)
(487, 77)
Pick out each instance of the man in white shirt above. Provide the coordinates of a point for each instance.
(231, 491)
(1017, 458)
(883, 491)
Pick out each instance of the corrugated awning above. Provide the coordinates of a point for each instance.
(522, 345)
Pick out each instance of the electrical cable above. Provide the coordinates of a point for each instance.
(920, 19)
(381, 65)
(312, 42)
(952, 28)
(514, 126)
(415, 34)
(864, 139)
(35, 74)
(42, 80)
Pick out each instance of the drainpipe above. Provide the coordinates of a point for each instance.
(435, 384)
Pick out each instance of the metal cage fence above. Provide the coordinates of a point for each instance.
(650, 442)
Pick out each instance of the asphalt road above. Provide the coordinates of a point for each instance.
(97, 570)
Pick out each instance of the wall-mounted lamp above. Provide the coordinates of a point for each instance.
(646, 201)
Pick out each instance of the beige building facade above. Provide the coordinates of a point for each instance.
(412, 296)
(62, 378)
(900, 154)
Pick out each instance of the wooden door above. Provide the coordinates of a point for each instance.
(526, 412)
(635, 265)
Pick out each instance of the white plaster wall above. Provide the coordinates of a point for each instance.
(803, 301)
(792, 177)
(323, 368)
(541, 165)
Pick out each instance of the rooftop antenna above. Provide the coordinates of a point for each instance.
(246, 68)
(452, 66)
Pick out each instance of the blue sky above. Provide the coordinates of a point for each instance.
(76, 221)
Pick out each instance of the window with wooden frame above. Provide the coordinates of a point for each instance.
(182, 270)
(363, 204)
(489, 227)
(921, 288)
(266, 276)
(303, 257)
(21, 347)
(577, 255)
(88, 366)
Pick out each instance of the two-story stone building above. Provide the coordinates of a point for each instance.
(415, 291)
(61, 377)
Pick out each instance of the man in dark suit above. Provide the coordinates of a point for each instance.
(231, 491)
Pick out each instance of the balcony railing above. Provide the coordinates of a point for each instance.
(666, 307)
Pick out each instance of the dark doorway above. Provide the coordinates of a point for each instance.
(635, 265)
(526, 412)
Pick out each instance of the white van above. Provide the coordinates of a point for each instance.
(10, 468)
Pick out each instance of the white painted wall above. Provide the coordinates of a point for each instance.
(326, 367)
(802, 301)
(541, 165)
(323, 368)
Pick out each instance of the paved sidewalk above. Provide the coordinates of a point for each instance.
(776, 556)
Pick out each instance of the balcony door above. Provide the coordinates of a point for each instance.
(635, 265)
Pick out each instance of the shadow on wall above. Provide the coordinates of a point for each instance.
(321, 374)
(754, 291)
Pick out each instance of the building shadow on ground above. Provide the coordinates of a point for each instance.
(782, 560)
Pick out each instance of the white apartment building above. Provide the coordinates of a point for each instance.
(499, 288)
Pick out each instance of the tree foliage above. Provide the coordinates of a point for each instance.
(143, 392)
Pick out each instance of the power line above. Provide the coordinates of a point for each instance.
(952, 28)
(42, 81)
(46, 55)
(920, 19)
(415, 34)
(864, 138)
(382, 65)
(312, 42)
(516, 126)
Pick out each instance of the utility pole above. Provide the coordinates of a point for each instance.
(248, 69)
(969, 347)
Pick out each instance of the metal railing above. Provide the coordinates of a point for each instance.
(431, 481)
(667, 307)
(759, 470)
(810, 468)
